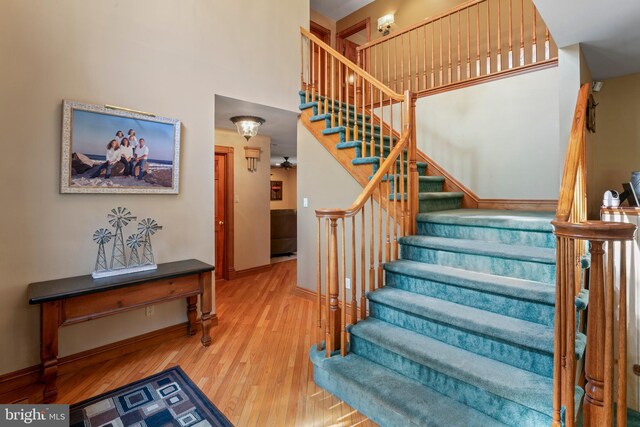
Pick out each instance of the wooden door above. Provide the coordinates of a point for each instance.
(220, 209)
(350, 52)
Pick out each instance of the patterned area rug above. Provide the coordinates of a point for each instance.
(166, 399)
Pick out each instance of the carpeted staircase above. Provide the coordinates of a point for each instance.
(462, 332)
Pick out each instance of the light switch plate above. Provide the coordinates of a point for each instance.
(305, 202)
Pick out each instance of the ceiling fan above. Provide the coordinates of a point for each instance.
(286, 164)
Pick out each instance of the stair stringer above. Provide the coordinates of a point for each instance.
(360, 173)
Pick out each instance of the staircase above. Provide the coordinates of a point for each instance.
(462, 332)
(456, 317)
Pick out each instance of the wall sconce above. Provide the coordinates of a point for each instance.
(252, 154)
(247, 125)
(384, 23)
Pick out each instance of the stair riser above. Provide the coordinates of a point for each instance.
(502, 409)
(354, 397)
(505, 305)
(520, 269)
(499, 349)
(439, 205)
(498, 235)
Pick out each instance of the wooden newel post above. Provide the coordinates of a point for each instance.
(594, 401)
(412, 191)
(333, 343)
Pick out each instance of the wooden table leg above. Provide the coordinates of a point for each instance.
(205, 307)
(192, 304)
(49, 323)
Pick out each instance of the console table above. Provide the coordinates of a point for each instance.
(72, 300)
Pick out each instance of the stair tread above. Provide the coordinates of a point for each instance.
(507, 329)
(376, 160)
(484, 248)
(502, 285)
(513, 220)
(518, 385)
(387, 390)
(429, 178)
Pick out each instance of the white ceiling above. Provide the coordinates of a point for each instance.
(280, 125)
(609, 32)
(338, 9)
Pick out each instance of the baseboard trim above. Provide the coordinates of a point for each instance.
(16, 380)
(233, 274)
(518, 204)
(311, 296)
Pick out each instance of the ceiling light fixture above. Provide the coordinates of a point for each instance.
(247, 125)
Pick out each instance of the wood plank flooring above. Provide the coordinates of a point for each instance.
(257, 370)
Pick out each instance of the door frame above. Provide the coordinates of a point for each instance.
(365, 24)
(326, 33)
(228, 258)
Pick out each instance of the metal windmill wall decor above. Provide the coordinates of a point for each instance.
(119, 218)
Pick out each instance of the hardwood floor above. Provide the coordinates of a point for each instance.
(257, 370)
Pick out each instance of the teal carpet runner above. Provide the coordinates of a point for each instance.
(462, 332)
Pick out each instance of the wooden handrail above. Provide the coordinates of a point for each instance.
(573, 156)
(371, 186)
(352, 66)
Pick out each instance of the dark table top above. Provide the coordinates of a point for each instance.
(53, 290)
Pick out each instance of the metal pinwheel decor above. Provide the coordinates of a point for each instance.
(119, 218)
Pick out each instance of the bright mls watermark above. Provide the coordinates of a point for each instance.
(34, 415)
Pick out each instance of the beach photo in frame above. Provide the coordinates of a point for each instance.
(115, 150)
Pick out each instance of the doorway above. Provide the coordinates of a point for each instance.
(319, 61)
(350, 38)
(223, 216)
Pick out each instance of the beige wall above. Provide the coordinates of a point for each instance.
(407, 12)
(251, 219)
(326, 22)
(617, 151)
(162, 56)
(289, 180)
(498, 138)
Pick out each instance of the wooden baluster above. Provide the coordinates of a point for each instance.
(372, 271)
(381, 133)
(354, 301)
(326, 84)
(394, 245)
(333, 97)
(403, 228)
(534, 36)
(380, 192)
(372, 147)
(363, 260)
(449, 45)
(389, 64)
(522, 58)
(401, 61)
(343, 284)
(547, 45)
(433, 62)
(327, 308)
(621, 398)
(395, 64)
(375, 63)
(319, 289)
(340, 103)
(595, 399)
(363, 128)
(334, 287)
(313, 74)
(557, 346)
(609, 300)
(417, 73)
(424, 58)
(499, 54)
(488, 70)
(409, 57)
(441, 63)
(570, 339)
(302, 85)
(468, 44)
(387, 251)
(459, 54)
(356, 95)
(478, 68)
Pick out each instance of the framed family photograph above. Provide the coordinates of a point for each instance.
(114, 150)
